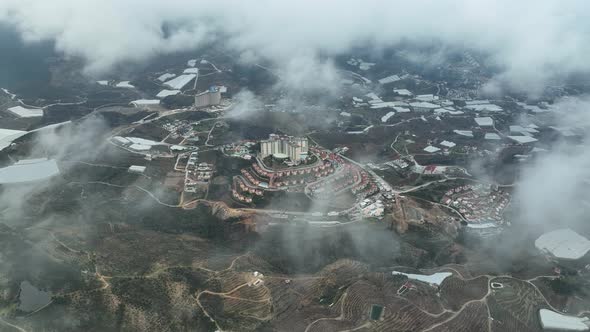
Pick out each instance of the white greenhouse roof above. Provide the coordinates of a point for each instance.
(424, 105)
(389, 79)
(482, 225)
(165, 77)
(403, 92)
(28, 171)
(448, 144)
(400, 109)
(447, 110)
(551, 320)
(431, 149)
(143, 141)
(125, 84)
(466, 133)
(141, 102)
(484, 108)
(384, 104)
(7, 136)
(427, 97)
(191, 71)
(140, 147)
(387, 116)
(523, 139)
(563, 243)
(435, 279)
(179, 82)
(492, 136)
(484, 121)
(137, 169)
(165, 93)
(22, 112)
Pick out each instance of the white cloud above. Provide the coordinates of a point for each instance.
(553, 190)
(534, 41)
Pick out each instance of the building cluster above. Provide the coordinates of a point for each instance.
(257, 179)
(196, 173)
(478, 203)
(239, 150)
(244, 191)
(372, 208)
(211, 97)
(256, 279)
(179, 128)
(401, 163)
(349, 178)
(328, 176)
(294, 148)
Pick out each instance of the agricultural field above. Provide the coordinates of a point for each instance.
(515, 306)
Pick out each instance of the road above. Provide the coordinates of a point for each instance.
(18, 328)
(490, 291)
(131, 186)
(210, 131)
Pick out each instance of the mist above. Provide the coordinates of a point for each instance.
(552, 191)
(533, 43)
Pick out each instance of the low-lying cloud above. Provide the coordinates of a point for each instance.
(553, 191)
(533, 42)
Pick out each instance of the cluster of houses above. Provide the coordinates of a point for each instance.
(478, 203)
(350, 177)
(239, 150)
(370, 208)
(196, 173)
(257, 179)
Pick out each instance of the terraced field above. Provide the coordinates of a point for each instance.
(474, 317)
(515, 307)
(409, 318)
(456, 291)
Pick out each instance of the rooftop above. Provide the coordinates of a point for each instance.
(124, 84)
(403, 92)
(484, 121)
(7, 136)
(389, 79)
(387, 116)
(435, 279)
(551, 320)
(431, 149)
(424, 104)
(145, 102)
(467, 133)
(28, 170)
(191, 71)
(448, 144)
(165, 93)
(180, 82)
(563, 243)
(22, 112)
(427, 97)
(165, 77)
(523, 139)
(484, 108)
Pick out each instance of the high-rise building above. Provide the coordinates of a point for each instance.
(208, 98)
(296, 148)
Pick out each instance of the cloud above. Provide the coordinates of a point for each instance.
(552, 191)
(245, 104)
(533, 42)
(73, 142)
